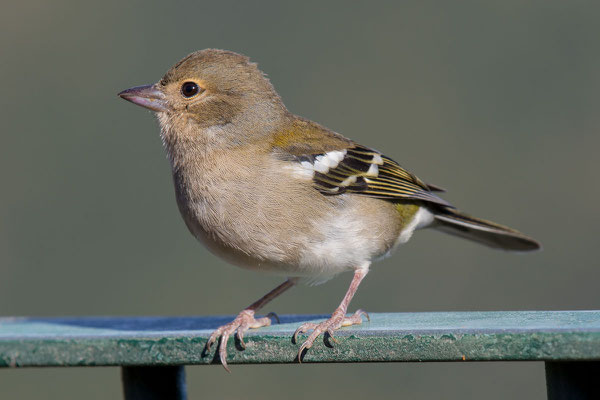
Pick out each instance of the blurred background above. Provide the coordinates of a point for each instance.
(495, 101)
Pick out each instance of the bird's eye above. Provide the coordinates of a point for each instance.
(190, 89)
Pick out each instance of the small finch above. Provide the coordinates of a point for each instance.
(271, 191)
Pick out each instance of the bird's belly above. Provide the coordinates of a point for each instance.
(316, 258)
(341, 233)
(363, 230)
(238, 257)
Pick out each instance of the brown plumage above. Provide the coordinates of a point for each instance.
(274, 192)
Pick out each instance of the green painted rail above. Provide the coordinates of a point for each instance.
(153, 350)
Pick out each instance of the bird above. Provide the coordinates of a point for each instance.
(270, 191)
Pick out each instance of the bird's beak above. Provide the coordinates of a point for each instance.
(147, 96)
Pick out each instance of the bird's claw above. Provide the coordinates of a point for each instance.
(273, 315)
(261, 321)
(303, 329)
(330, 338)
(336, 321)
(356, 318)
(245, 320)
(305, 346)
(213, 338)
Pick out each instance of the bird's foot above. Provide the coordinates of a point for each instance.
(336, 321)
(245, 320)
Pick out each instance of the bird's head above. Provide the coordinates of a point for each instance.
(209, 88)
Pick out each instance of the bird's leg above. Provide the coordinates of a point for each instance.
(337, 319)
(245, 320)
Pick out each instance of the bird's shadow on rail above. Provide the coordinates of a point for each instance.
(157, 324)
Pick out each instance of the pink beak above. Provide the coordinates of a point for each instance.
(147, 96)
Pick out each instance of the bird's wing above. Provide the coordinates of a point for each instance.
(339, 165)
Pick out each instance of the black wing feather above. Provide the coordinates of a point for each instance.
(367, 172)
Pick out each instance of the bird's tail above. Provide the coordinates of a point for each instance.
(481, 231)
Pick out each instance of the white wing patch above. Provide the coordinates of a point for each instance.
(373, 171)
(377, 159)
(327, 161)
(321, 163)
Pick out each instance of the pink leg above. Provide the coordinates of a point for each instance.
(245, 320)
(337, 319)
